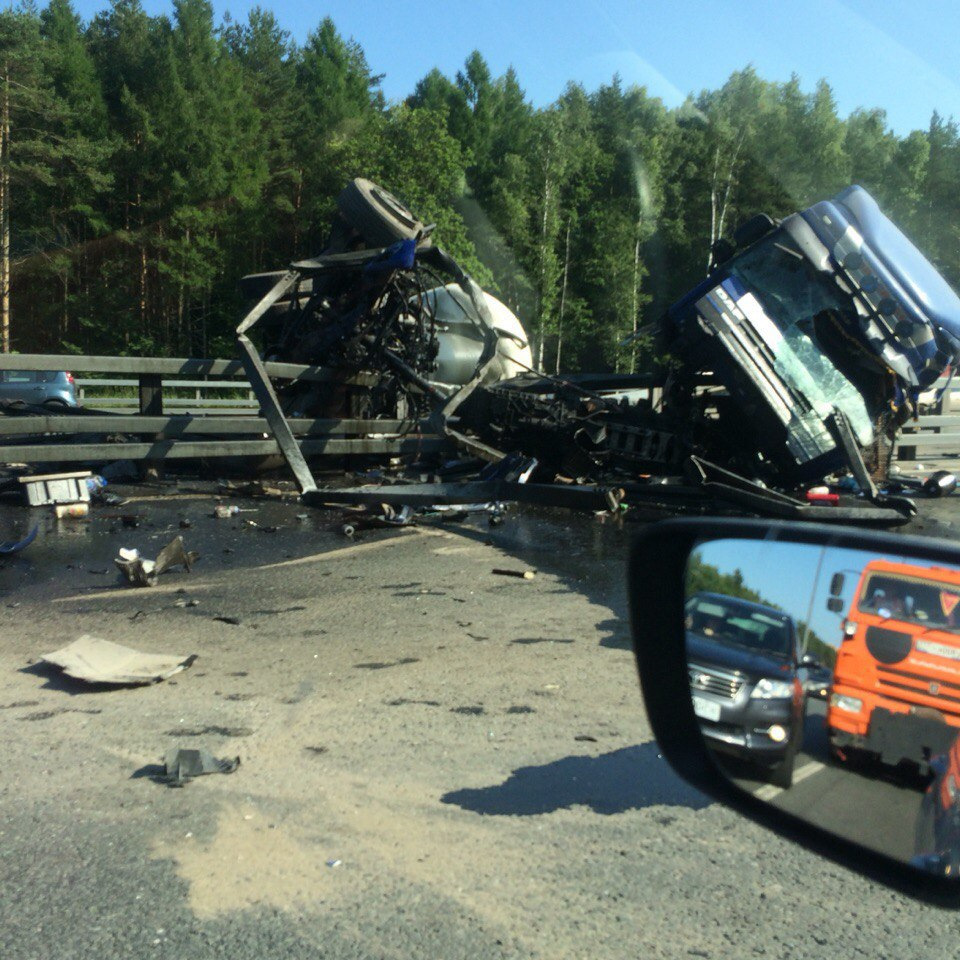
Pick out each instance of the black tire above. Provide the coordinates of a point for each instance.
(376, 214)
(53, 403)
(782, 774)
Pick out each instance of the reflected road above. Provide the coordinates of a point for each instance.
(870, 808)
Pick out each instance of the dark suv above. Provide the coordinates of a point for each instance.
(744, 660)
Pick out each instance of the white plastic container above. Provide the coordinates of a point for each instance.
(52, 488)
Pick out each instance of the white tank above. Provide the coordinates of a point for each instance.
(461, 336)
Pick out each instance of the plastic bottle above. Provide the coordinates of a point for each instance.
(74, 511)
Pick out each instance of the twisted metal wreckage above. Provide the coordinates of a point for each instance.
(799, 356)
(796, 361)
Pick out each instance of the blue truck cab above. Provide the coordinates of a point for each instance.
(830, 309)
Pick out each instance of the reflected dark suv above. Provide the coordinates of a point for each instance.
(744, 664)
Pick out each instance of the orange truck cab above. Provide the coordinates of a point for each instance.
(895, 695)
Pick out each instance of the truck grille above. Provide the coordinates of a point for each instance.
(720, 683)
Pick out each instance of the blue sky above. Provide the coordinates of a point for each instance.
(895, 55)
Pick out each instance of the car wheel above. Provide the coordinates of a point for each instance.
(55, 404)
(782, 774)
(376, 213)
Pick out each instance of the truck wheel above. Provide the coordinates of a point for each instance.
(782, 774)
(376, 213)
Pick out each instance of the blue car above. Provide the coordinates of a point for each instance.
(50, 388)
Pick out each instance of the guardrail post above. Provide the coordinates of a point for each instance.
(906, 453)
(151, 395)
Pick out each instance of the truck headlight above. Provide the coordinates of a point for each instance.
(841, 702)
(767, 689)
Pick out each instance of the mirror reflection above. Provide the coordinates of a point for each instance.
(826, 682)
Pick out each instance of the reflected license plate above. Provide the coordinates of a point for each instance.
(706, 709)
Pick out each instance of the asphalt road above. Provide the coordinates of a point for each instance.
(873, 807)
(435, 760)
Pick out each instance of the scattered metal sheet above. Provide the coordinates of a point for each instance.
(95, 660)
(142, 572)
(572, 496)
(182, 765)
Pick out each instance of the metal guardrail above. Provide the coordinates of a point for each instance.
(167, 367)
(935, 436)
(89, 392)
(152, 433)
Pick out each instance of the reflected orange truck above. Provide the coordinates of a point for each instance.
(895, 696)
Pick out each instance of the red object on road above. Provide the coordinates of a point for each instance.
(833, 498)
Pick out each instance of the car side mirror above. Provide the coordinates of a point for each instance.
(835, 604)
(709, 600)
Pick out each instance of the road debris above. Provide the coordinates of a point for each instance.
(72, 511)
(520, 574)
(95, 660)
(55, 488)
(182, 765)
(940, 484)
(144, 573)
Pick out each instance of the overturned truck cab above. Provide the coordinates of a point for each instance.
(822, 328)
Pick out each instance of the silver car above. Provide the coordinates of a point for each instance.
(51, 388)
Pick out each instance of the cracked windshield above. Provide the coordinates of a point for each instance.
(345, 349)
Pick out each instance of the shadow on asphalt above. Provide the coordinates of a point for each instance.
(56, 680)
(627, 779)
(150, 771)
(618, 634)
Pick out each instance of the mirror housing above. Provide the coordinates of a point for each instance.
(835, 604)
(836, 584)
(754, 229)
(657, 594)
(722, 251)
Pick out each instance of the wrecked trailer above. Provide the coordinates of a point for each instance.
(381, 298)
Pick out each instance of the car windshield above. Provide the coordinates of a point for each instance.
(907, 599)
(728, 622)
(791, 294)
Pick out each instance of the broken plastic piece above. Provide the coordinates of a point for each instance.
(100, 661)
(144, 573)
(183, 765)
(52, 488)
(817, 496)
